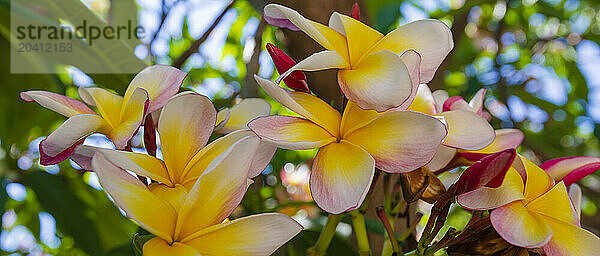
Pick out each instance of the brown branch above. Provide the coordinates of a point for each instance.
(196, 44)
(163, 17)
(458, 31)
(250, 88)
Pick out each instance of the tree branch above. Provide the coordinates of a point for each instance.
(196, 44)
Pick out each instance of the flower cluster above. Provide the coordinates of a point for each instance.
(391, 123)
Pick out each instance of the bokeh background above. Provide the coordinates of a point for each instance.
(539, 60)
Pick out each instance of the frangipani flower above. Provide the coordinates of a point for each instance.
(196, 189)
(117, 117)
(535, 213)
(571, 169)
(466, 129)
(351, 146)
(375, 71)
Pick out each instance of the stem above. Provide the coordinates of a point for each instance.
(360, 230)
(387, 200)
(326, 235)
(389, 230)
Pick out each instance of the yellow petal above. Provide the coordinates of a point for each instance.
(141, 164)
(132, 116)
(222, 118)
(341, 176)
(152, 213)
(400, 141)
(569, 239)
(556, 204)
(360, 37)
(159, 247)
(304, 104)
(380, 81)
(184, 126)
(242, 113)
(109, 104)
(220, 188)
(424, 101)
(200, 162)
(176, 196)
(291, 132)
(355, 117)
(537, 182)
(258, 234)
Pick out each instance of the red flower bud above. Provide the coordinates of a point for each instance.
(489, 171)
(355, 12)
(296, 80)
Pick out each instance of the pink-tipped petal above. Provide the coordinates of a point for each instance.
(46, 159)
(262, 158)
(520, 227)
(576, 196)
(282, 16)
(82, 156)
(442, 157)
(161, 81)
(412, 60)
(432, 39)
(571, 169)
(58, 103)
(476, 102)
(341, 176)
(70, 133)
(489, 171)
(467, 130)
(440, 96)
(456, 103)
